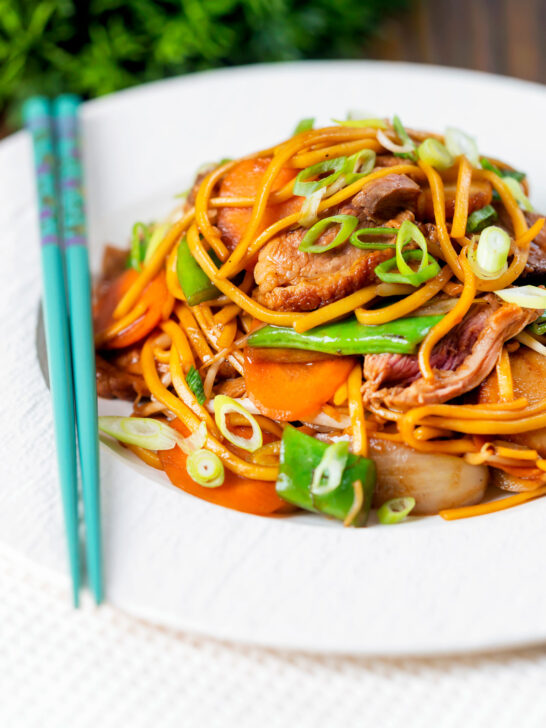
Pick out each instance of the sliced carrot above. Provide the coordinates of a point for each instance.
(243, 180)
(290, 391)
(240, 494)
(154, 298)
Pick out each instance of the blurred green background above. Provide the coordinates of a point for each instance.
(94, 48)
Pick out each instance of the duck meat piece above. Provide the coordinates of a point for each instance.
(291, 280)
(461, 360)
(383, 198)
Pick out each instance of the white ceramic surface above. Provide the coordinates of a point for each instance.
(423, 587)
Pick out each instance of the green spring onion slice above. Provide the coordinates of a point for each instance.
(414, 278)
(459, 142)
(224, 405)
(145, 432)
(435, 153)
(363, 123)
(348, 224)
(304, 125)
(395, 510)
(539, 327)
(359, 165)
(479, 219)
(140, 236)
(156, 237)
(328, 474)
(489, 259)
(305, 186)
(195, 383)
(524, 296)
(517, 190)
(205, 468)
(486, 164)
(363, 245)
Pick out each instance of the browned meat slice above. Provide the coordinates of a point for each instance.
(536, 262)
(114, 261)
(386, 196)
(290, 280)
(114, 383)
(461, 360)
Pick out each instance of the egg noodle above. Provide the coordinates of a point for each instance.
(211, 336)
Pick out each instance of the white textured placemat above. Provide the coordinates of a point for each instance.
(99, 668)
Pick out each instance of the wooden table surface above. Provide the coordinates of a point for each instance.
(499, 36)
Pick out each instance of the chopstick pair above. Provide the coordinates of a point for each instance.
(68, 322)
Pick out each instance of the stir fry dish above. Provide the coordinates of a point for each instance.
(352, 319)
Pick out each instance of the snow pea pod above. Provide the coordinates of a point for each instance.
(194, 282)
(349, 336)
(300, 457)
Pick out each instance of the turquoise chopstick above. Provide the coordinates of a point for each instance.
(36, 113)
(65, 113)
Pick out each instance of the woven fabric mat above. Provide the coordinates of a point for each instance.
(101, 668)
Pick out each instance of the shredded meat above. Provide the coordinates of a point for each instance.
(114, 383)
(462, 359)
(291, 280)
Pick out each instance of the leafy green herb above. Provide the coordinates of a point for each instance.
(54, 46)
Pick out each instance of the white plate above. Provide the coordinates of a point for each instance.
(426, 586)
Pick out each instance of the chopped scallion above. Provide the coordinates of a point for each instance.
(362, 123)
(304, 185)
(141, 431)
(519, 195)
(195, 383)
(140, 236)
(363, 245)
(304, 125)
(539, 327)
(479, 219)
(395, 510)
(347, 223)
(491, 253)
(328, 474)
(459, 142)
(415, 278)
(224, 405)
(205, 468)
(435, 153)
(524, 296)
(486, 164)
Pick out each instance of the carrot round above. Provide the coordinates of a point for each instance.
(293, 391)
(152, 300)
(243, 180)
(258, 497)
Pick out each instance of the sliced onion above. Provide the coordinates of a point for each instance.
(224, 405)
(531, 343)
(388, 143)
(524, 296)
